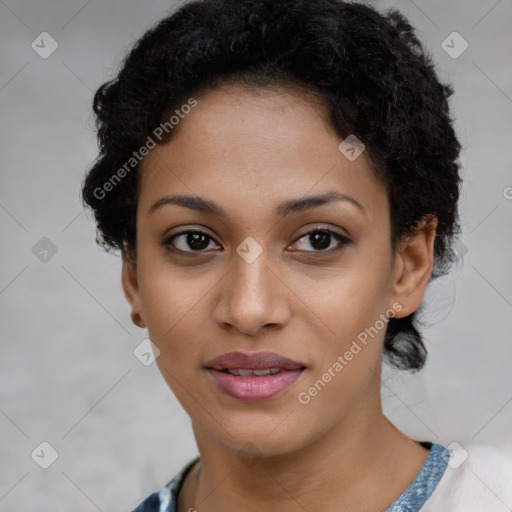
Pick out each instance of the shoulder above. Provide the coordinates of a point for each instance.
(165, 499)
(478, 477)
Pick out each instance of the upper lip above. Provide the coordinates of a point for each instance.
(253, 361)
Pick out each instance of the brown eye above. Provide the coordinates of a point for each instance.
(189, 241)
(321, 239)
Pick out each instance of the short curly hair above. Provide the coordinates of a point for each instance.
(372, 71)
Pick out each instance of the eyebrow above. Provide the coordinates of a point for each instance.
(291, 206)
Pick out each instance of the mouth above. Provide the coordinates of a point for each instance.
(248, 372)
(253, 377)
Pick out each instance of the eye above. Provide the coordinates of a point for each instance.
(195, 241)
(198, 241)
(321, 240)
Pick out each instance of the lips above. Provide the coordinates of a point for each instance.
(253, 377)
(255, 361)
(247, 372)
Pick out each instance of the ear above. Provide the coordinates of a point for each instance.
(413, 264)
(131, 292)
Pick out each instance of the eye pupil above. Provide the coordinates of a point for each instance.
(197, 241)
(321, 238)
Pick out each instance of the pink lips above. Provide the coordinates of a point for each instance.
(272, 374)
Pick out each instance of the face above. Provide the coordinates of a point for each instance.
(247, 262)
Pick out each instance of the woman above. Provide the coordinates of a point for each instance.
(281, 179)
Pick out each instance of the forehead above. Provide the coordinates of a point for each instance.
(255, 148)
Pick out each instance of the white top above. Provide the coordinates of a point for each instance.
(478, 478)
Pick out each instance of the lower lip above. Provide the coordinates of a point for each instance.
(252, 389)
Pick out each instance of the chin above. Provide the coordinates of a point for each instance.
(265, 437)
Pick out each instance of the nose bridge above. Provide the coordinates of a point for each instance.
(251, 280)
(252, 296)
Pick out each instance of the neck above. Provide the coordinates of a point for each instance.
(361, 464)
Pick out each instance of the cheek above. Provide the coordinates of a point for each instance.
(348, 359)
(347, 301)
(348, 312)
(174, 304)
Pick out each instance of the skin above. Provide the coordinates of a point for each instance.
(250, 150)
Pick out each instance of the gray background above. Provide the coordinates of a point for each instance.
(68, 375)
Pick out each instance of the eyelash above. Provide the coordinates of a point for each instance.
(342, 241)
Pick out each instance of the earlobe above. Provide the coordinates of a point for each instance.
(131, 292)
(413, 266)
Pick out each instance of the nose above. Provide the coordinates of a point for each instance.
(252, 298)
